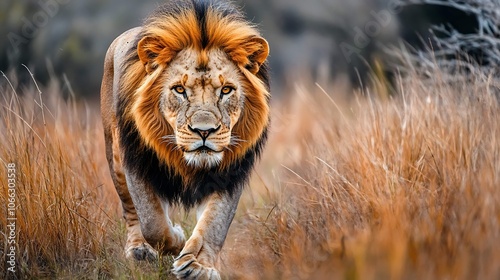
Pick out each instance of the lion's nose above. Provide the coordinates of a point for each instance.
(204, 132)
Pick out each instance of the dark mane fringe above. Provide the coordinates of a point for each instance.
(202, 25)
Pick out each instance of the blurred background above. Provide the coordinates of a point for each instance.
(316, 40)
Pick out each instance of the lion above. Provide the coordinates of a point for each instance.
(185, 109)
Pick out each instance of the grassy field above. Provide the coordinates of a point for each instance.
(366, 187)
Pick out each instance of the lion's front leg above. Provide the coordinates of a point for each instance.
(155, 225)
(197, 259)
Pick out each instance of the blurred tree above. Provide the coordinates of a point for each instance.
(56, 37)
(314, 39)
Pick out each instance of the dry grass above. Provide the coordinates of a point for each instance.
(403, 188)
(369, 188)
(62, 188)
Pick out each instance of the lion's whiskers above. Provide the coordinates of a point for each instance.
(171, 139)
(170, 136)
(229, 149)
(235, 141)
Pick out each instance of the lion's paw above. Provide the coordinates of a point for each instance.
(187, 266)
(143, 252)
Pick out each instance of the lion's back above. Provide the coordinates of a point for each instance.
(114, 67)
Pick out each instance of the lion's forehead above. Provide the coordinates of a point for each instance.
(209, 73)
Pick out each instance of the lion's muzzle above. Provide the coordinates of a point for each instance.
(204, 132)
(206, 141)
(206, 125)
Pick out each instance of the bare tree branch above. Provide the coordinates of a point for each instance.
(454, 50)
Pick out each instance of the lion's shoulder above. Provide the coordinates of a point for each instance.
(115, 62)
(123, 45)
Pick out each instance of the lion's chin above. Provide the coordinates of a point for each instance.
(203, 159)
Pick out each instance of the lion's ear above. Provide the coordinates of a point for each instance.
(153, 52)
(252, 54)
(258, 50)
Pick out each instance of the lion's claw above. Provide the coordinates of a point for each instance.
(186, 266)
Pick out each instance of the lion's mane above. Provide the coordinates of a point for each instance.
(201, 25)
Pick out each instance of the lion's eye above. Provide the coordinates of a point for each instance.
(179, 89)
(226, 90)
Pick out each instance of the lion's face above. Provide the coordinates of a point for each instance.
(202, 105)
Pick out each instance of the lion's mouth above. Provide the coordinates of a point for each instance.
(203, 149)
(203, 156)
